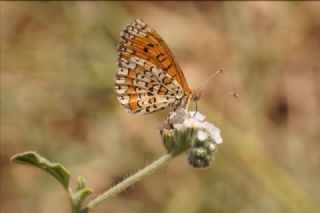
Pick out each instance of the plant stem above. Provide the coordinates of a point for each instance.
(149, 169)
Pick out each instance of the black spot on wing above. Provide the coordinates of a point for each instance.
(167, 68)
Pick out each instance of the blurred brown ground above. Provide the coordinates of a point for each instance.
(58, 62)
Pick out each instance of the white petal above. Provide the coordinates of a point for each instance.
(187, 123)
(178, 116)
(202, 135)
(217, 138)
(198, 124)
(197, 115)
(215, 132)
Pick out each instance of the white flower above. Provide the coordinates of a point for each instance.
(188, 131)
(187, 123)
(197, 115)
(202, 135)
(178, 116)
(182, 118)
(215, 132)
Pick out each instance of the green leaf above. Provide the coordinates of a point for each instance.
(82, 191)
(83, 194)
(32, 158)
(81, 183)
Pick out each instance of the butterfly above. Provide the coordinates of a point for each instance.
(149, 79)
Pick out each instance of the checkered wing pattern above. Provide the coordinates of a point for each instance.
(148, 79)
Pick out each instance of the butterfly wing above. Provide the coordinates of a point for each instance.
(148, 78)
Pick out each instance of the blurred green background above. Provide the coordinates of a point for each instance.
(58, 63)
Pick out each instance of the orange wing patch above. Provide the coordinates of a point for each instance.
(149, 46)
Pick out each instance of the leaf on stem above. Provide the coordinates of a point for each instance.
(32, 158)
(82, 191)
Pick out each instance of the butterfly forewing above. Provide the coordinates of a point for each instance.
(148, 78)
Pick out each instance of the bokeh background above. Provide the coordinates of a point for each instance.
(58, 63)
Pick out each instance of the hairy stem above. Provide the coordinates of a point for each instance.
(129, 181)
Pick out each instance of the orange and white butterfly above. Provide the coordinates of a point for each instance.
(149, 79)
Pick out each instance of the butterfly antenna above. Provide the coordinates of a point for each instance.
(235, 95)
(210, 77)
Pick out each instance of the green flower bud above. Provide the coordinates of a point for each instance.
(199, 157)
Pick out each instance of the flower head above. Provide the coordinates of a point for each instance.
(188, 131)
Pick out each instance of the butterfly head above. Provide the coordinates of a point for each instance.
(196, 94)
